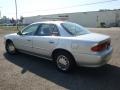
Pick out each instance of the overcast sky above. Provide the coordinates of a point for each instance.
(43, 7)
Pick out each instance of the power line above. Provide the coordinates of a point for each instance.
(79, 5)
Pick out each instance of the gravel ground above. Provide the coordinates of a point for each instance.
(25, 72)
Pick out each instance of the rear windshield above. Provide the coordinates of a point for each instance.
(74, 29)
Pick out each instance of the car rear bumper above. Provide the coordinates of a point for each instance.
(95, 60)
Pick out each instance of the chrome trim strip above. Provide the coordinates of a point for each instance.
(35, 54)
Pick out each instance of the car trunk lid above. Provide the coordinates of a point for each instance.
(96, 42)
(93, 37)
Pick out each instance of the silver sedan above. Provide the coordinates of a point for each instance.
(66, 43)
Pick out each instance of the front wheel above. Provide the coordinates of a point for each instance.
(10, 48)
(64, 61)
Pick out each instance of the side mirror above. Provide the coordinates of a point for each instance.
(19, 33)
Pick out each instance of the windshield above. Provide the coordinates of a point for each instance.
(74, 29)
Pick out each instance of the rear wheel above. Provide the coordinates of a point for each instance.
(10, 48)
(64, 61)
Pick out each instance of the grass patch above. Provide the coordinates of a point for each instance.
(11, 28)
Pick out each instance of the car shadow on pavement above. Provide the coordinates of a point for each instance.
(104, 78)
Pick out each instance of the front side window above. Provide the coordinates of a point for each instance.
(47, 30)
(74, 29)
(30, 30)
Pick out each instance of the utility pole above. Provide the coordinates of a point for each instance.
(116, 18)
(0, 13)
(16, 14)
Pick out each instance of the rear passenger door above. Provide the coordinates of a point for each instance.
(45, 39)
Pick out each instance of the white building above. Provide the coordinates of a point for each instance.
(87, 19)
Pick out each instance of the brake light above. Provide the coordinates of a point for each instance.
(101, 47)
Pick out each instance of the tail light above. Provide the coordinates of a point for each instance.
(101, 47)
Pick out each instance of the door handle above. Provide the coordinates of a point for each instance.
(51, 42)
(28, 40)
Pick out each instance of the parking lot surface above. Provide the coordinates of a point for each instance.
(25, 72)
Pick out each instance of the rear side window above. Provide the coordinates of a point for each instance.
(74, 29)
(47, 30)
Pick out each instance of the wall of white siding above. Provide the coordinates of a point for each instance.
(87, 19)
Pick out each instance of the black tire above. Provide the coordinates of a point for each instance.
(68, 58)
(7, 47)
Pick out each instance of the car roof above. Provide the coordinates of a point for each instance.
(50, 22)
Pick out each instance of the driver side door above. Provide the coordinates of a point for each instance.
(25, 41)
